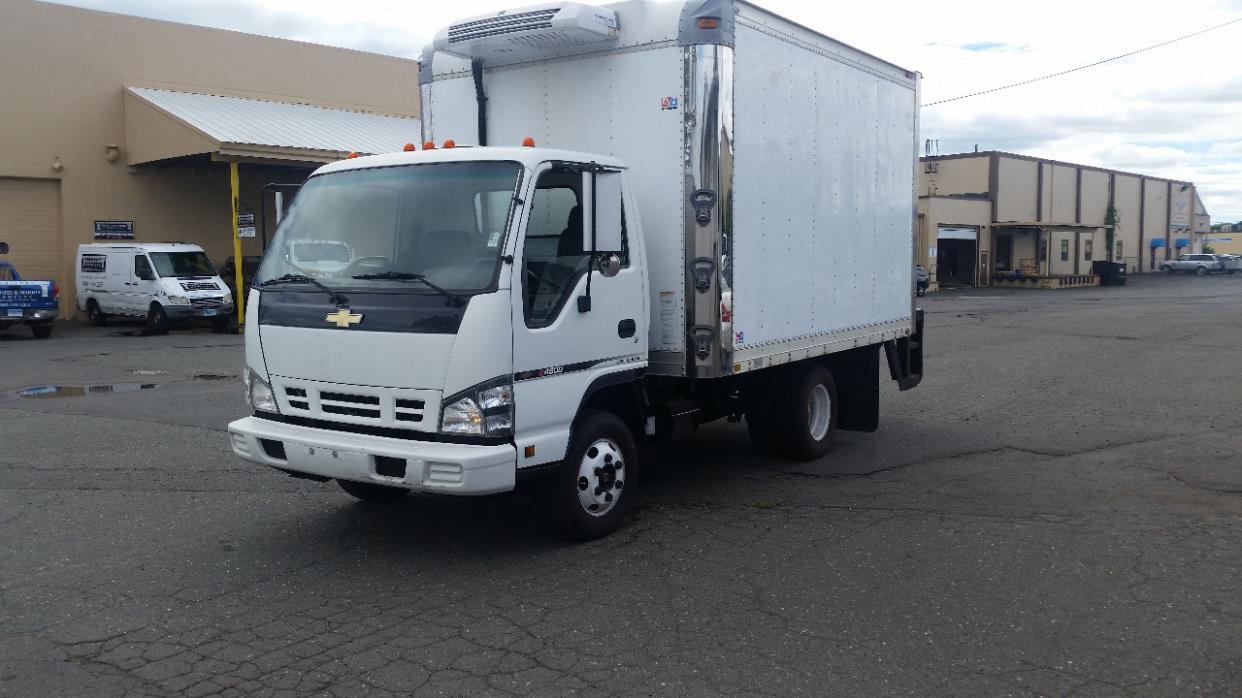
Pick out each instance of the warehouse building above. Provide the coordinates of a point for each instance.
(992, 218)
(122, 128)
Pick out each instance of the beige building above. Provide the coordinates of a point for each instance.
(989, 217)
(113, 126)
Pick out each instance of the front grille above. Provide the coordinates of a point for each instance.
(206, 303)
(199, 286)
(503, 24)
(357, 404)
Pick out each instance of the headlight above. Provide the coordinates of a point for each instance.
(484, 410)
(178, 300)
(259, 394)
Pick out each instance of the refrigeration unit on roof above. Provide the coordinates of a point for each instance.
(529, 32)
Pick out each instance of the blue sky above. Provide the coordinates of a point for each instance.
(1173, 112)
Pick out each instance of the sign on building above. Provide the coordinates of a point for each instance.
(114, 230)
(245, 225)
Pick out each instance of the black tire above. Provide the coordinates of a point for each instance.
(95, 314)
(1167, 269)
(157, 319)
(598, 438)
(1201, 271)
(222, 324)
(791, 413)
(41, 330)
(369, 492)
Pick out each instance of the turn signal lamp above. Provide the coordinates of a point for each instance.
(450, 143)
(528, 142)
(408, 147)
(429, 145)
(351, 156)
(708, 22)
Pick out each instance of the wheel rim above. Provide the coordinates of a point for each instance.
(819, 412)
(601, 477)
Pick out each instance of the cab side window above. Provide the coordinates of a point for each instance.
(552, 256)
(142, 268)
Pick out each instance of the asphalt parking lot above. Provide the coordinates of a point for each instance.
(1057, 510)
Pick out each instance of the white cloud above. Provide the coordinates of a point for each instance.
(1174, 111)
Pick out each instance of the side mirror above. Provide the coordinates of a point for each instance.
(4, 248)
(147, 276)
(601, 211)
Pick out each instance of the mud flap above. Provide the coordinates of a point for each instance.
(905, 356)
(857, 377)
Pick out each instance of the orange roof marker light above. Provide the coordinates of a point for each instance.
(352, 155)
(528, 142)
(450, 143)
(408, 147)
(709, 22)
(429, 145)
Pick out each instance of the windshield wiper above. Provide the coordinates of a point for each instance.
(333, 295)
(409, 276)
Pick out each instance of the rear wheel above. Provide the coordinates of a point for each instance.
(95, 314)
(812, 416)
(157, 319)
(41, 330)
(368, 492)
(596, 482)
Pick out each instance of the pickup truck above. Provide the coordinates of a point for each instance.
(1200, 264)
(32, 303)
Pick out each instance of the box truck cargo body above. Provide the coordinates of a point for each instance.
(654, 215)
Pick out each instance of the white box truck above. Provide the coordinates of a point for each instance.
(669, 213)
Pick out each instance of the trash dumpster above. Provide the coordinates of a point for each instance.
(1110, 273)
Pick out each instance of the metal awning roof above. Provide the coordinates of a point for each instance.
(162, 124)
(1045, 225)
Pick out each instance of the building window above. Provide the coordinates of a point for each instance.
(1065, 250)
(1117, 247)
(1086, 250)
(1043, 252)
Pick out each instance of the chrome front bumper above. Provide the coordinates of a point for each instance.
(462, 469)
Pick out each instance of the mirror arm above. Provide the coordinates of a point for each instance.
(584, 302)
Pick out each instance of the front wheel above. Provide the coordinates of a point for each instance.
(596, 482)
(1201, 271)
(95, 314)
(41, 330)
(157, 319)
(221, 324)
(368, 492)
(1167, 270)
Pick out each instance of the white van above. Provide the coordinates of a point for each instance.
(162, 282)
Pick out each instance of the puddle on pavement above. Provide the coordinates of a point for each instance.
(54, 391)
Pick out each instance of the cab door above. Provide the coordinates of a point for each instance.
(560, 345)
(143, 285)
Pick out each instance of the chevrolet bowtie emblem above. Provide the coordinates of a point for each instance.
(343, 318)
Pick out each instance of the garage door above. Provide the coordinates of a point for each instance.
(30, 223)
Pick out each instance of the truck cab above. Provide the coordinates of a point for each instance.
(485, 285)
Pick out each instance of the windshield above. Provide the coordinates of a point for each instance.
(443, 221)
(182, 264)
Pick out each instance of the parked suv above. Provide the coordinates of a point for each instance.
(1200, 264)
(1229, 263)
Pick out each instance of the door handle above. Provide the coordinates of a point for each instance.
(626, 328)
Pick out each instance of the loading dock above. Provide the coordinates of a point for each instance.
(957, 255)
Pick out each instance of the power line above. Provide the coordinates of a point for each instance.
(1084, 67)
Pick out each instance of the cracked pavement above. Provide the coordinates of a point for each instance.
(1056, 510)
